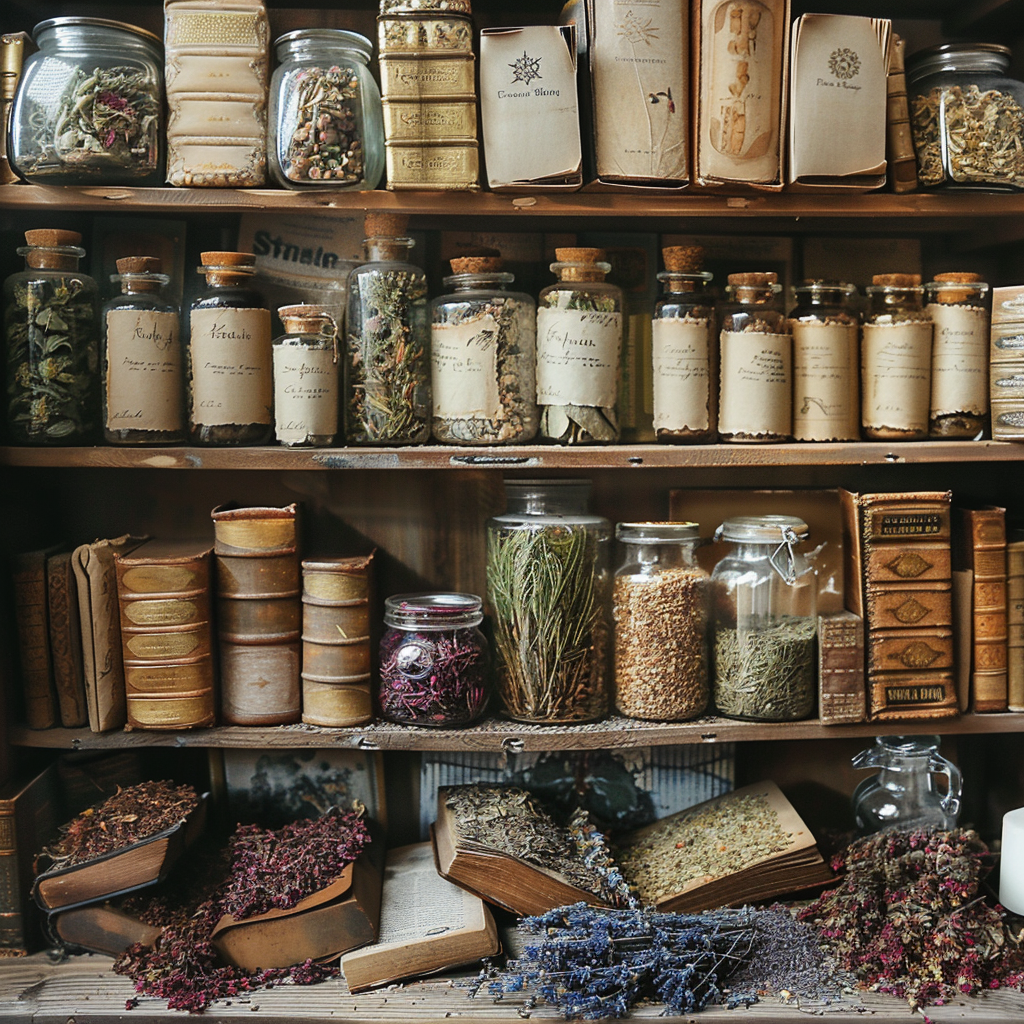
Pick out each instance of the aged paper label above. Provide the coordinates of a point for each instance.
(682, 374)
(825, 382)
(959, 359)
(756, 382)
(145, 387)
(305, 393)
(578, 357)
(464, 361)
(896, 362)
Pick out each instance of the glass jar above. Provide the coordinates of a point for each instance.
(660, 602)
(579, 343)
(896, 360)
(231, 389)
(143, 378)
(483, 350)
(433, 660)
(966, 117)
(958, 308)
(51, 324)
(826, 362)
(765, 596)
(682, 343)
(548, 583)
(306, 389)
(326, 120)
(90, 108)
(387, 393)
(755, 403)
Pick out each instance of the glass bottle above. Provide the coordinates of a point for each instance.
(548, 583)
(230, 376)
(51, 325)
(306, 392)
(896, 360)
(326, 122)
(765, 594)
(143, 377)
(434, 661)
(755, 404)
(483, 348)
(683, 346)
(826, 362)
(958, 308)
(579, 343)
(388, 368)
(660, 605)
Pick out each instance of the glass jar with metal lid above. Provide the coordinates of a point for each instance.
(89, 108)
(765, 611)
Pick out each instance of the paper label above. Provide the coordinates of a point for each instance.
(959, 359)
(464, 361)
(825, 382)
(231, 369)
(896, 362)
(305, 393)
(578, 357)
(144, 372)
(682, 374)
(756, 382)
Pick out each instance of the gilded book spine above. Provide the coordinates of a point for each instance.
(842, 699)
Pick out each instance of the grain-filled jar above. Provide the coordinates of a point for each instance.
(306, 376)
(764, 596)
(660, 605)
(896, 360)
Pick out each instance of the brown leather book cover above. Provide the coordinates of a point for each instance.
(259, 683)
(31, 615)
(899, 146)
(1015, 625)
(66, 641)
(259, 531)
(842, 698)
(101, 928)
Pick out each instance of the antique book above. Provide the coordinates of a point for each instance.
(842, 699)
(426, 924)
(1006, 363)
(1015, 624)
(164, 594)
(28, 575)
(66, 641)
(899, 145)
(100, 928)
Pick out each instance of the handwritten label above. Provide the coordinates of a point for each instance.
(682, 374)
(959, 359)
(464, 363)
(896, 361)
(305, 393)
(578, 357)
(825, 382)
(756, 384)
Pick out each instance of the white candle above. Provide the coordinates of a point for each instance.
(1011, 862)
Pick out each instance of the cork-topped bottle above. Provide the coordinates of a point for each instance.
(230, 376)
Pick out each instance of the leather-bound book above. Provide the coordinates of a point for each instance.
(842, 699)
(28, 574)
(66, 641)
(1015, 624)
(163, 588)
(899, 146)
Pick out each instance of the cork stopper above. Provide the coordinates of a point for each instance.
(949, 295)
(580, 255)
(52, 238)
(958, 277)
(139, 265)
(385, 225)
(683, 259)
(227, 259)
(897, 280)
(753, 280)
(476, 264)
(307, 318)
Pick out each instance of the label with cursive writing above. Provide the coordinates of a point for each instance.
(756, 384)
(464, 361)
(825, 381)
(682, 374)
(305, 393)
(959, 359)
(578, 357)
(896, 361)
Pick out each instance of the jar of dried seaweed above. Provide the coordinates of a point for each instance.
(660, 604)
(230, 380)
(826, 362)
(896, 360)
(579, 342)
(683, 350)
(764, 595)
(143, 377)
(548, 583)
(958, 305)
(387, 392)
(434, 661)
(306, 392)
(326, 119)
(89, 108)
(755, 404)
(483, 354)
(51, 325)
(966, 117)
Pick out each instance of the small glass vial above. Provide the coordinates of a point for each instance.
(143, 375)
(387, 394)
(683, 346)
(483, 350)
(231, 389)
(896, 360)
(326, 119)
(579, 343)
(660, 602)
(755, 403)
(765, 594)
(826, 362)
(434, 661)
(958, 307)
(51, 325)
(306, 392)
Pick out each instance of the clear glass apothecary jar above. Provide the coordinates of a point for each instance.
(765, 613)
(89, 108)
(326, 119)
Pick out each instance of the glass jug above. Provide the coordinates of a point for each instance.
(903, 793)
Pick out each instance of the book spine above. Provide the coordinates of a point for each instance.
(259, 683)
(842, 698)
(30, 613)
(1015, 625)
(12, 925)
(985, 531)
(66, 642)
(899, 146)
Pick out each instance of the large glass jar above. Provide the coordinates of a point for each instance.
(89, 108)
(51, 325)
(660, 602)
(967, 117)
(765, 595)
(326, 124)
(306, 392)
(434, 661)
(483, 350)
(548, 583)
